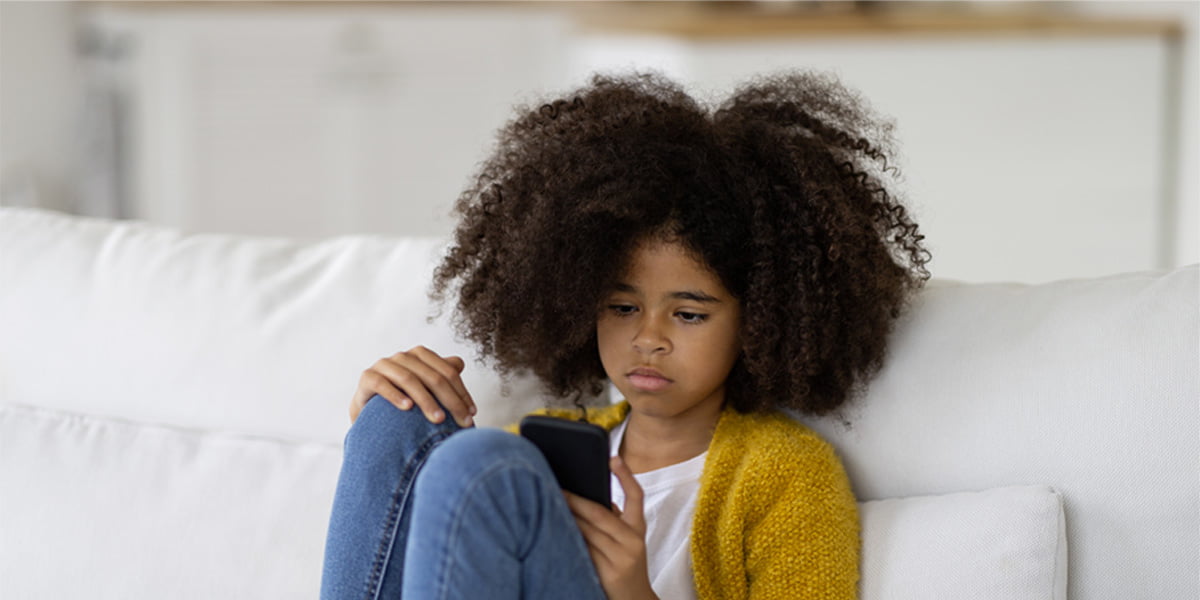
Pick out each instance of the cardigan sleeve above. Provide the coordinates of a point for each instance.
(804, 541)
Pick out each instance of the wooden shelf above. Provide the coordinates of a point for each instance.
(740, 20)
(735, 20)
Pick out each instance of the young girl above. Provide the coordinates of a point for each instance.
(713, 266)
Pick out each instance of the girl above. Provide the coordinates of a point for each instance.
(714, 267)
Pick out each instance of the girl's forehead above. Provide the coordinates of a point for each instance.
(663, 253)
(666, 263)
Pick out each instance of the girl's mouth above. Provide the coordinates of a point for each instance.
(647, 380)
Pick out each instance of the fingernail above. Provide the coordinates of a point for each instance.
(437, 416)
(467, 422)
(405, 404)
(473, 410)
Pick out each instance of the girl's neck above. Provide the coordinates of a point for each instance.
(652, 442)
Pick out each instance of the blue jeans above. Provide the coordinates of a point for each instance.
(427, 511)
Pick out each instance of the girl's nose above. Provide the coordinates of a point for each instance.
(650, 339)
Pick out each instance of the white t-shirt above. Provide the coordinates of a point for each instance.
(670, 501)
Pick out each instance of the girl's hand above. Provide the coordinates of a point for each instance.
(417, 376)
(616, 540)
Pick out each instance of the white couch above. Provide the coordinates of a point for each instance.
(172, 407)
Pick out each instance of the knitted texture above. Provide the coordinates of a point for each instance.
(607, 417)
(775, 517)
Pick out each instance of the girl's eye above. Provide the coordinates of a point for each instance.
(688, 317)
(622, 310)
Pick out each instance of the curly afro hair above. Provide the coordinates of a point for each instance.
(779, 190)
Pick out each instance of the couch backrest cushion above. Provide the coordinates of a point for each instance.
(216, 332)
(1088, 386)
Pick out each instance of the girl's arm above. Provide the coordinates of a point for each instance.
(805, 543)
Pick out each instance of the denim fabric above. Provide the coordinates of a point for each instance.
(429, 511)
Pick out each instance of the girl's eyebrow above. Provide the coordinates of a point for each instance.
(693, 295)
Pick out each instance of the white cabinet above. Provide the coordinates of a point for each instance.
(315, 122)
(1026, 157)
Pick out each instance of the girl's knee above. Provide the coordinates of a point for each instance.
(383, 430)
(484, 467)
(479, 449)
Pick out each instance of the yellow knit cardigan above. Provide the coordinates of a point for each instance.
(775, 517)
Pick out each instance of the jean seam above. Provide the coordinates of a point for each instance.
(442, 584)
(400, 497)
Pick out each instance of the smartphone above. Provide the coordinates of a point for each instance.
(577, 452)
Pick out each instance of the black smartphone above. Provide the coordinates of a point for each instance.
(577, 452)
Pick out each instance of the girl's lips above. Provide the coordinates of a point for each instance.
(647, 380)
(648, 383)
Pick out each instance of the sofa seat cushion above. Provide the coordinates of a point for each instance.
(104, 508)
(151, 511)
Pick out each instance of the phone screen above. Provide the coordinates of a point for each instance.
(577, 453)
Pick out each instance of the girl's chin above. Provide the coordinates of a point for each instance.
(664, 405)
(643, 396)
(653, 404)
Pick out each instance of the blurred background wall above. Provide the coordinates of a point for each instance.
(1038, 140)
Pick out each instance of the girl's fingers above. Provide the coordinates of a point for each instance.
(411, 385)
(445, 392)
(372, 383)
(595, 535)
(606, 520)
(459, 365)
(429, 388)
(601, 562)
(633, 495)
(449, 368)
(382, 386)
(418, 377)
(356, 402)
(599, 545)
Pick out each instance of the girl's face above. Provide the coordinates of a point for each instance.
(668, 332)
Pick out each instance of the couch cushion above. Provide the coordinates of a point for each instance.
(1006, 543)
(143, 511)
(100, 508)
(1089, 386)
(216, 332)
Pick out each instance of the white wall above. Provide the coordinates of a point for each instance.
(1185, 247)
(39, 86)
(39, 82)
